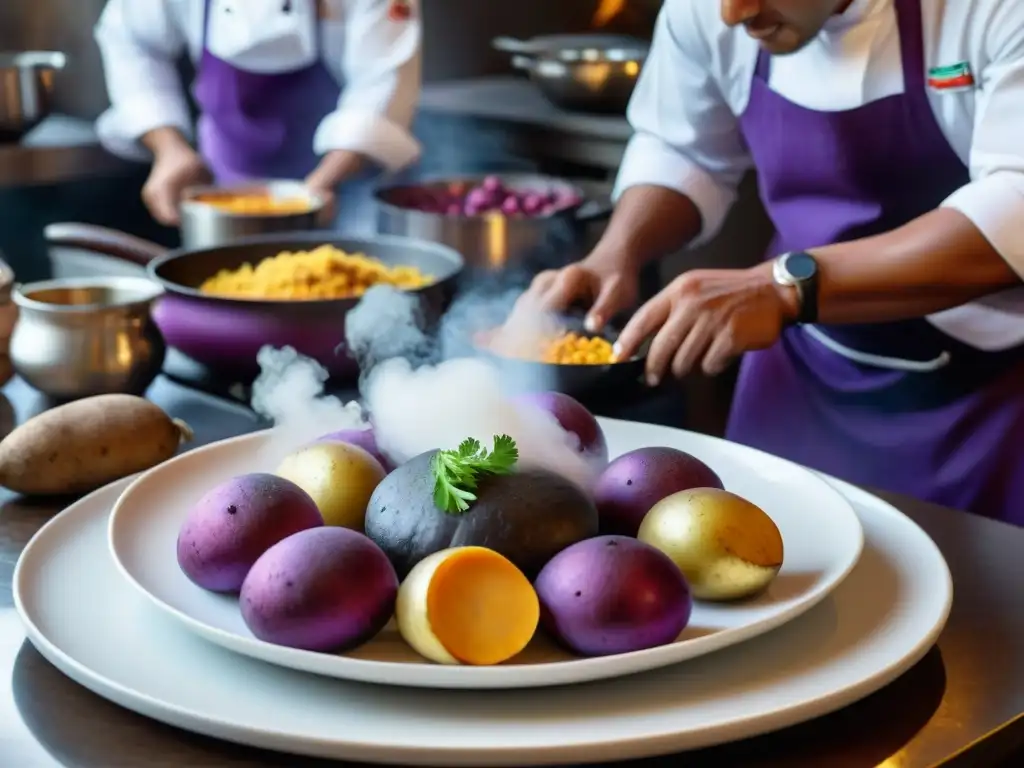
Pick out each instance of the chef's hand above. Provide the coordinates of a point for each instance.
(333, 170)
(708, 317)
(605, 282)
(176, 166)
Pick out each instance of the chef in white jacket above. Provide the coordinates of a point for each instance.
(321, 90)
(883, 339)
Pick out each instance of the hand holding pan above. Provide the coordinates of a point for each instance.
(225, 334)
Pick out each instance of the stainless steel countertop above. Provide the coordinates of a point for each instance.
(969, 684)
(61, 149)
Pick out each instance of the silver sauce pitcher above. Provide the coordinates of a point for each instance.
(79, 337)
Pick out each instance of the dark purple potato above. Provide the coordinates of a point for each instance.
(235, 523)
(574, 418)
(528, 517)
(361, 438)
(636, 481)
(326, 589)
(613, 594)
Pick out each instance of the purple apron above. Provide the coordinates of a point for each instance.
(951, 431)
(261, 126)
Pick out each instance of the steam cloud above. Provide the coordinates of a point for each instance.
(421, 387)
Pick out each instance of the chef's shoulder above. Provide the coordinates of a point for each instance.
(697, 29)
(157, 20)
(981, 32)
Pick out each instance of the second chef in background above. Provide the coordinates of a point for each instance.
(322, 90)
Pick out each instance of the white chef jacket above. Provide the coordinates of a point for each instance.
(376, 59)
(697, 81)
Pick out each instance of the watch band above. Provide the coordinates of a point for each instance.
(800, 270)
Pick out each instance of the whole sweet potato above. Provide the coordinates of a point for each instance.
(81, 446)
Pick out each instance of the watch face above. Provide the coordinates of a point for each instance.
(801, 266)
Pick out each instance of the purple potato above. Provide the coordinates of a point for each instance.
(613, 594)
(235, 523)
(636, 481)
(326, 589)
(575, 419)
(361, 438)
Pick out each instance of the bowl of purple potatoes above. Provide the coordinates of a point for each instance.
(493, 221)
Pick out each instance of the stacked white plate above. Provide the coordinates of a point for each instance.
(862, 596)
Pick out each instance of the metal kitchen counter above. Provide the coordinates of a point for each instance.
(59, 150)
(971, 683)
(590, 140)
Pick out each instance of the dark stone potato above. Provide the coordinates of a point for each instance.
(529, 517)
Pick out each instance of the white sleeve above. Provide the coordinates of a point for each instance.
(140, 43)
(994, 199)
(687, 137)
(381, 70)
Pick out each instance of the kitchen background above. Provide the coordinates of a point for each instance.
(476, 115)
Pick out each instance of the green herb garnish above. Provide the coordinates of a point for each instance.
(457, 472)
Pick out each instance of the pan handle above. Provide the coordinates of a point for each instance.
(108, 242)
(513, 45)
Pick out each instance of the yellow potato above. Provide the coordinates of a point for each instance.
(339, 477)
(467, 605)
(81, 446)
(727, 547)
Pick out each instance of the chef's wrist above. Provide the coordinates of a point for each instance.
(165, 141)
(334, 168)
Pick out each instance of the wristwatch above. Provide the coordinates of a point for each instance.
(799, 270)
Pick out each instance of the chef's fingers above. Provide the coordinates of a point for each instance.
(325, 216)
(571, 284)
(672, 334)
(611, 299)
(649, 318)
(725, 347)
(162, 203)
(693, 347)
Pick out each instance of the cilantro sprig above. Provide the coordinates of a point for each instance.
(457, 472)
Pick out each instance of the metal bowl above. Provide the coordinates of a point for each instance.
(26, 90)
(81, 337)
(586, 73)
(206, 226)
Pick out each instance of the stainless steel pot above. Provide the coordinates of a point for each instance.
(587, 73)
(207, 226)
(26, 89)
(76, 338)
(495, 242)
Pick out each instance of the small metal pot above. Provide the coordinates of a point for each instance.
(26, 88)
(77, 338)
(493, 243)
(207, 226)
(585, 73)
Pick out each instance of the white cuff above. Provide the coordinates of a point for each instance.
(648, 160)
(372, 135)
(995, 205)
(120, 128)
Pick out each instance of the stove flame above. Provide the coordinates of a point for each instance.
(607, 11)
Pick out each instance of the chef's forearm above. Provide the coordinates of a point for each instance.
(649, 222)
(938, 261)
(162, 140)
(334, 168)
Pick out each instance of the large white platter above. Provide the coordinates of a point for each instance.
(822, 536)
(84, 618)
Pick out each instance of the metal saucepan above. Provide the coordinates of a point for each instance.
(207, 226)
(586, 73)
(492, 242)
(225, 334)
(79, 337)
(26, 88)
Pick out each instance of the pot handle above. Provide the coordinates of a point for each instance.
(104, 241)
(513, 45)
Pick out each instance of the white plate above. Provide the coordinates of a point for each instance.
(822, 537)
(85, 619)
